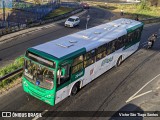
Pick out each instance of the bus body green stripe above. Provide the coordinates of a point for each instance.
(134, 28)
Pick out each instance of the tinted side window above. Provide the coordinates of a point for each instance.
(77, 64)
(89, 58)
(101, 52)
(119, 43)
(110, 47)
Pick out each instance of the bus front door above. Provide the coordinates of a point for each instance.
(63, 83)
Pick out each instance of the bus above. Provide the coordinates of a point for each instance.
(60, 68)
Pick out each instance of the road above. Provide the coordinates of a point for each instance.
(9, 51)
(119, 88)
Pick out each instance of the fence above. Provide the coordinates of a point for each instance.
(70, 4)
(25, 13)
(151, 20)
(40, 10)
(12, 74)
(19, 27)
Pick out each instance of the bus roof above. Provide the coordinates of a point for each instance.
(88, 39)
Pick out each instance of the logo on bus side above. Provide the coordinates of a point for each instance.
(107, 60)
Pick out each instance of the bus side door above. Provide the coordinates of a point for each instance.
(63, 82)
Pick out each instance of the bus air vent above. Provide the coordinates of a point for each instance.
(73, 41)
(116, 25)
(97, 32)
(84, 36)
(65, 45)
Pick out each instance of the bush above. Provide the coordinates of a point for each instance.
(144, 5)
(11, 67)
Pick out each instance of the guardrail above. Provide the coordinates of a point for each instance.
(12, 74)
(63, 16)
(8, 30)
(150, 20)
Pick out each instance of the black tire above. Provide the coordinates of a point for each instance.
(75, 89)
(119, 61)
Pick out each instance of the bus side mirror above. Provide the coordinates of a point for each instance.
(63, 72)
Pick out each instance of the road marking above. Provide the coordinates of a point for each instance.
(134, 96)
(35, 118)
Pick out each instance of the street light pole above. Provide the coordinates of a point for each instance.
(88, 18)
(3, 4)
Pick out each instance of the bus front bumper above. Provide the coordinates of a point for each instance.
(31, 89)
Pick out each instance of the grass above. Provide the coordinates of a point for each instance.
(32, 1)
(144, 11)
(59, 11)
(6, 10)
(11, 67)
(7, 83)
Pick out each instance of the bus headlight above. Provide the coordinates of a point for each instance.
(49, 96)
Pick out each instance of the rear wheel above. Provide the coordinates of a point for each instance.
(119, 61)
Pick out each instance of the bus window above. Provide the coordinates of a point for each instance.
(138, 32)
(89, 58)
(77, 64)
(77, 60)
(129, 37)
(124, 39)
(63, 74)
(111, 47)
(39, 75)
(101, 52)
(119, 43)
(77, 67)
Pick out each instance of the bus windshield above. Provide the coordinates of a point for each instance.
(39, 75)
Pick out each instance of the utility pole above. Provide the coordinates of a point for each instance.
(88, 18)
(3, 4)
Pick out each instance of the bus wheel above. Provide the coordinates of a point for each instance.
(119, 61)
(75, 89)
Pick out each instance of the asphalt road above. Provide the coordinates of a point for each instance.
(10, 50)
(112, 91)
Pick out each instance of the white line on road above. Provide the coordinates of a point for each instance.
(134, 95)
(130, 99)
(35, 118)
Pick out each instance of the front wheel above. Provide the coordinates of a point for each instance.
(75, 89)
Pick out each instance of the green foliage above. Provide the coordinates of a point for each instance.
(9, 80)
(143, 5)
(11, 67)
(143, 10)
(57, 12)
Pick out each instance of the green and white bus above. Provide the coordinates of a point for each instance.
(59, 68)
